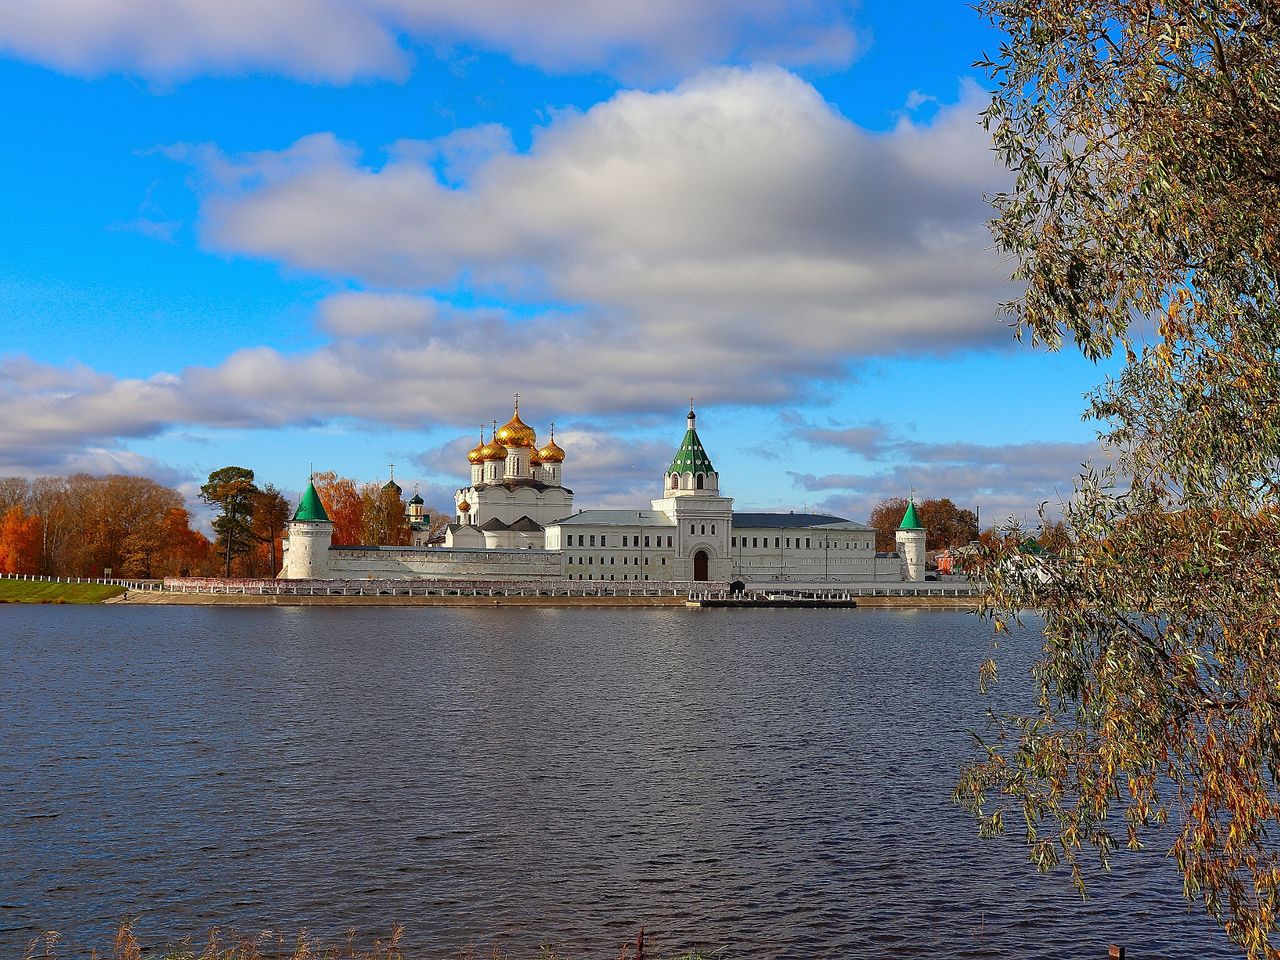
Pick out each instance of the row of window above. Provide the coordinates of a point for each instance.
(611, 561)
(763, 543)
(704, 528)
(604, 540)
(624, 577)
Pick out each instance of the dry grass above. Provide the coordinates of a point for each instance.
(273, 945)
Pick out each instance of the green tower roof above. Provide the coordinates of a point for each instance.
(692, 456)
(311, 507)
(909, 519)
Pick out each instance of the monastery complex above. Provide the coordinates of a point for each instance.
(514, 521)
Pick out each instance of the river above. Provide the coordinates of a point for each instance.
(774, 783)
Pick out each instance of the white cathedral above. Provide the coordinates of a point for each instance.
(515, 521)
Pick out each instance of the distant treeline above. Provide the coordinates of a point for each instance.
(84, 526)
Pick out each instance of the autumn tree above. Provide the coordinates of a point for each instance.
(385, 523)
(20, 538)
(1144, 140)
(232, 490)
(945, 524)
(886, 517)
(345, 506)
(185, 552)
(270, 513)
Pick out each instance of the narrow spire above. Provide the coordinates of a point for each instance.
(517, 403)
(393, 472)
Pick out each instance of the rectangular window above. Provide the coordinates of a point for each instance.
(646, 541)
(603, 540)
(668, 544)
(755, 541)
(593, 539)
(733, 541)
(806, 543)
(664, 561)
(624, 539)
(777, 542)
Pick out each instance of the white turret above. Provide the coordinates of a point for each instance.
(310, 534)
(910, 540)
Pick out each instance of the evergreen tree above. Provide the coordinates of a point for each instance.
(232, 490)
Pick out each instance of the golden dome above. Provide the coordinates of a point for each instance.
(493, 450)
(552, 452)
(535, 458)
(515, 432)
(476, 453)
(463, 506)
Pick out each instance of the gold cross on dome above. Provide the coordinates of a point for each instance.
(517, 401)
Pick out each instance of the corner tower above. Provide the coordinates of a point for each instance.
(910, 540)
(310, 534)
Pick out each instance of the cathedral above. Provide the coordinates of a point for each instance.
(514, 521)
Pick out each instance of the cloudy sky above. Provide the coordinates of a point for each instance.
(345, 232)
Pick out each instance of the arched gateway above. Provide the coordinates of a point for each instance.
(700, 563)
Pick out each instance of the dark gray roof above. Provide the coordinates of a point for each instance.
(618, 518)
(526, 525)
(493, 523)
(792, 521)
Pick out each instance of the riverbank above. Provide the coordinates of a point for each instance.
(321, 600)
(49, 591)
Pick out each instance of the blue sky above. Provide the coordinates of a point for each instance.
(344, 232)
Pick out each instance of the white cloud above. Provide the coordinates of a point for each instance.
(735, 238)
(1004, 479)
(341, 40)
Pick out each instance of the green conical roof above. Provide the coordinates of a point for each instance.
(909, 519)
(311, 507)
(691, 457)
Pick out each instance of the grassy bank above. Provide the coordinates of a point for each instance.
(41, 591)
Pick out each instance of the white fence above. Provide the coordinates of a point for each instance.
(107, 581)
(845, 593)
(402, 588)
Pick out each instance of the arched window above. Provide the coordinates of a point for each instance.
(675, 480)
(699, 481)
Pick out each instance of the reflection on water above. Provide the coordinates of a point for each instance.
(774, 782)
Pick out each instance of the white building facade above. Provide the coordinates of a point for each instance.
(517, 511)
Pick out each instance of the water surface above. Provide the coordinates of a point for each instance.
(773, 782)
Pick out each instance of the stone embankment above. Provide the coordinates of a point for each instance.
(263, 592)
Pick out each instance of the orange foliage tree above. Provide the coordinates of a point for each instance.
(20, 539)
(343, 503)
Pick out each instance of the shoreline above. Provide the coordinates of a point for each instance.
(161, 598)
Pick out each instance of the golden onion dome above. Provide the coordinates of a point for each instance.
(476, 453)
(463, 506)
(552, 452)
(535, 458)
(515, 432)
(493, 450)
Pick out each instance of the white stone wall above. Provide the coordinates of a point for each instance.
(442, 563)
(808, 555)
(616, 553)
